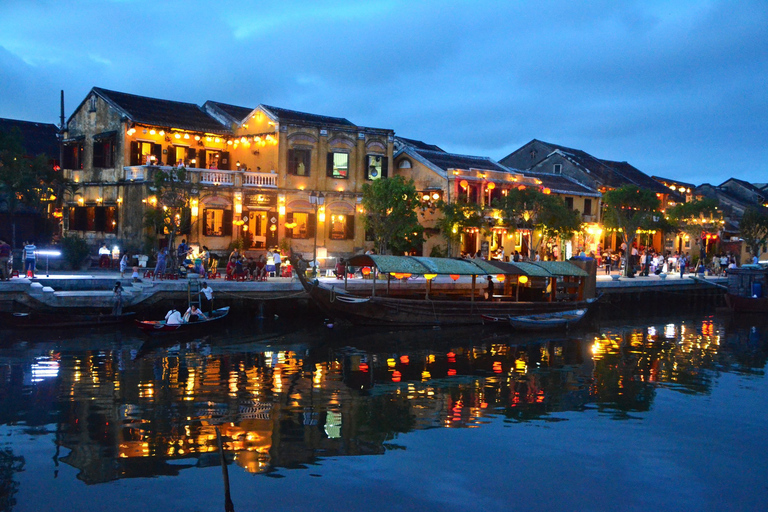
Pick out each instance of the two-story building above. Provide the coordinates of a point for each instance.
(269, 176)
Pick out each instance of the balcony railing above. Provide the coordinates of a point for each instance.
(135, 173)
(259, 179)
(210, 177)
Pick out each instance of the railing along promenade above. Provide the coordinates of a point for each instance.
(215, 177)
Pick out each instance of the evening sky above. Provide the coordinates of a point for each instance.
(676, 88)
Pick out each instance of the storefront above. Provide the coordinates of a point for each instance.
(260, 218)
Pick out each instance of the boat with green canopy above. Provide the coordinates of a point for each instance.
(423, 291)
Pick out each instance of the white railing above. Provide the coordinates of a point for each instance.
(135, 173)
(208, 177)
(259, 179)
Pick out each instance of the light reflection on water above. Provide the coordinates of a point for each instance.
(122, 409)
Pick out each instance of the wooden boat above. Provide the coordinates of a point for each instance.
(747, 288)
(430, 305)
(35, 319)
(160, 326)
(548, 321)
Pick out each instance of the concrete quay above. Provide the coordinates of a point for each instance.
(87, 291)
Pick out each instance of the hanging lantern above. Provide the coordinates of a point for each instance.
(501, 278)
(547, 191)
(522, 279)
(521, 187)
(464, 183)
(366, 271)
(455, 277)
(491, 186)
(429, 277)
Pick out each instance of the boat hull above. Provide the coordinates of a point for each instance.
(739, 304)
(159, 326)
(548, 321)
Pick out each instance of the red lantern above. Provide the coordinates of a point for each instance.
(491, 186)
(366, 271)
(396, 376)
(464, 183)
(455, 277)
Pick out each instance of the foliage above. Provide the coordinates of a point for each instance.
(532, 209)
(754, 229)
(628, 209)
(439, 251)
(24, 181)
(455, 218)
(391, 214)
(170, 214)
(74, 249)
(696, 216)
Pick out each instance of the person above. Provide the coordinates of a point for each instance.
(117, 292)
(206, 297)
(135, 275)
(182, 251)
(516, 256)
(30, 255)
(723, 263)
(193, 314)
(489, 289)
(123, 265)
(537, 256)
(278, 261)
(173, 317)
(5, 257)
(103, 256)
(682, 262)
(261, 269)
(231, 267)
(239, 271)
(234, 254)
(340, 269)
(755, 259)
(648, 259)
(160, 267)
(206, 258)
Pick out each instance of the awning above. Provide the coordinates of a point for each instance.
(421, 265)
(561, 268)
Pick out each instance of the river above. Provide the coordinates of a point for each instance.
(662, 415)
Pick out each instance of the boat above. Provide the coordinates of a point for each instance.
(522, 289)
(747, 286)
(35, 319)
(543, 321)
(160, 326)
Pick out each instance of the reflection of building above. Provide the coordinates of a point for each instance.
(250, 171)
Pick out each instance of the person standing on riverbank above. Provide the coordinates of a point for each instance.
(160, 267)
(29, 258)
(5, 257)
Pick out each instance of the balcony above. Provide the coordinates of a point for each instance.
(213, 177)
(260, 179)
(207, 176)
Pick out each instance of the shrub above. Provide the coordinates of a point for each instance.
(74, 250)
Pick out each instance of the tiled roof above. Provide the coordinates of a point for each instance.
(417, 144)
(447, 161)
(236, 113)
(285, 115)
(561, 184)
(166, 113)
(636, 177)
(36, 138)
(746, 185)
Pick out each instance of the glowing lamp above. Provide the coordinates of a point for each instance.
(429, 277)
(455, 277)
(396, 376)
(491, 186)
(464, 183)
(522, 279)
(273, 228)
(547, 191)
(366, 271)
(152, 132)
(162, 132)
(400, 275)
(425, 197)
(435, 196)
(178, 136)
(501, 278)
(281, 209)
(521, 187)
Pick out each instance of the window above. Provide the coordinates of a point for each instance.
(300, 225)
(142, 153)
(557, 168)
(93, 218)
(338, 165)
(569, 203)
(73, 156)
(298, 161)
(182, 154)
(104, 152)
(217, 222)
(587, 207)
(376, 167)
(342, 227)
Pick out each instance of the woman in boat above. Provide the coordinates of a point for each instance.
(193, 314)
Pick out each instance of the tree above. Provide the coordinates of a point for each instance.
(24, 181)
(754, 229)
(695, 217)
(170, 213)
(532, 209)
(628, 209)
(390, 205)
(455, 218)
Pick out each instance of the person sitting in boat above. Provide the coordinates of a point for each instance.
(193, 314)
(173, 317)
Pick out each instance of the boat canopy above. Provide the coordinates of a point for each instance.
(387, 264)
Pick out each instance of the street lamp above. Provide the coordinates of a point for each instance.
(316, 199)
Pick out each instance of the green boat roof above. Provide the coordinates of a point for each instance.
(562, 268)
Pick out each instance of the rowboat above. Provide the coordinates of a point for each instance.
(543, 321)
(526, 289)
(747, 288)
(35, 319)
(160, 326)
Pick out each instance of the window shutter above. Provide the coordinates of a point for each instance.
(97, 158)
(192, 155)
(201, 160)
(205, 223)
(384, 166)
(288, 220)
(135, 152)
(307, 158)
(99, 219)
(227, 223)
(329, 165)
(311, 225)
(292, 161)
(350, 231)
(224, 163)
(157, 151)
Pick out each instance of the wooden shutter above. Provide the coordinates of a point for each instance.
(311, 225)
(288, 220)
(349, 232)
(201, 160)
(192, 155)
(329, 165)
(384, 166)
(227, 223)
(205, 223)
(135, 153)
(157, 150)
(97, 159)
(224, 163)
